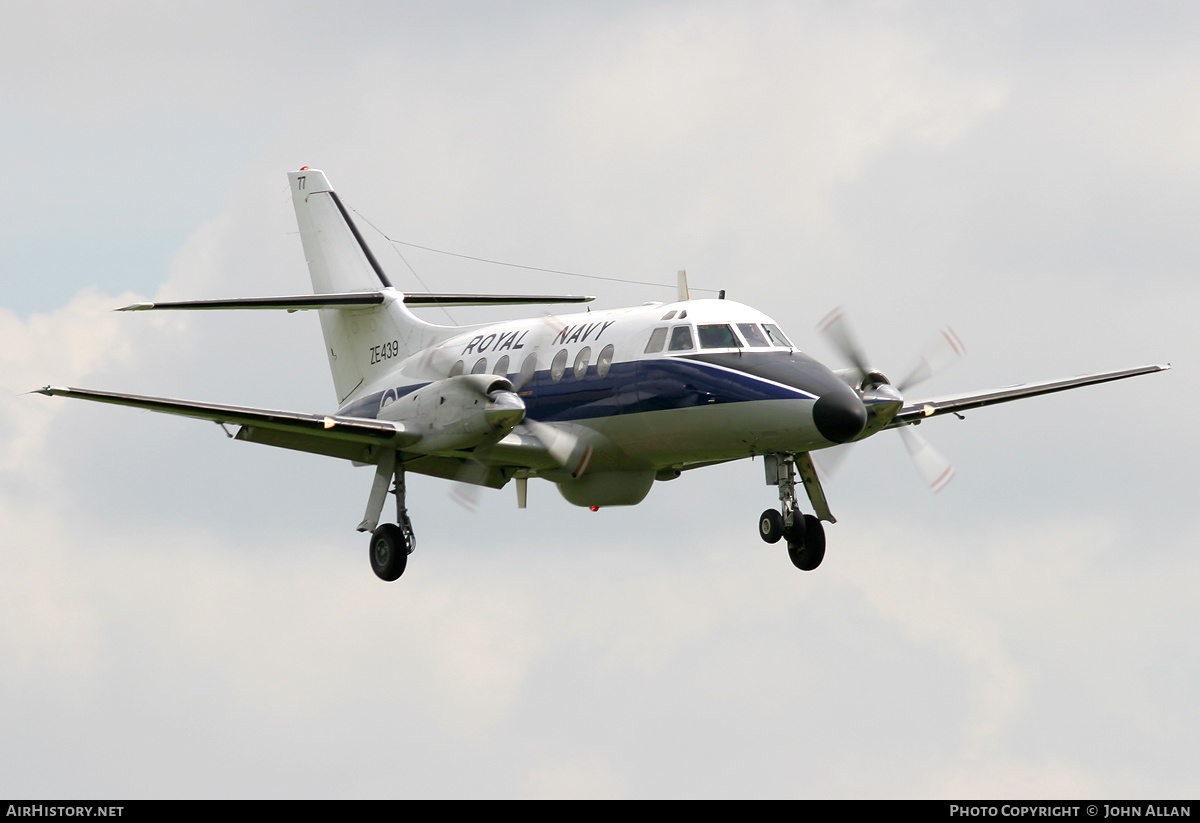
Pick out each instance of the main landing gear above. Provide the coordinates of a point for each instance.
(389, 551)
(391, 543)
(804, 533)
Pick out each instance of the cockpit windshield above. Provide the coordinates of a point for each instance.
(777, 337)
(685, 337)
(717, 336)
(754, 337)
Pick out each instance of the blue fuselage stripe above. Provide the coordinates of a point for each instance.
(628, 388)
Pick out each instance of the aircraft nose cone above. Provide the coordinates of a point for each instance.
(839, 416)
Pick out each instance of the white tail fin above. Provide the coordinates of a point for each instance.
(338, 259)
(362, 344)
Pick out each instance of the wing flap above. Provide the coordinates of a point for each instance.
(312, 443)
(915, 412)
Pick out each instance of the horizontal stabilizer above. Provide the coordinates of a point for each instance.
(915, 412)
(302, 302)
(358, 300)
(492, 299)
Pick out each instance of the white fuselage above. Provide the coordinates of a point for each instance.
(652, 387)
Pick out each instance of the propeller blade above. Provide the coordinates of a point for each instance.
(467, 484)
(465, 495)
(529, 365)
(524, 377)
(934, 469)
(559, 444)
(830, 461)
(836, 329)
(944, 350)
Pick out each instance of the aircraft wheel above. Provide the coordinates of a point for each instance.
(770, 526)
(389, 552)
(812, 551)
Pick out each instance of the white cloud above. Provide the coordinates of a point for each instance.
(182, 615)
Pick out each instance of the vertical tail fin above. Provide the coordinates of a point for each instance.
(338, 258)
(361, 344)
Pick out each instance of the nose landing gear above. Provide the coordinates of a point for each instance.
(804, 533)
(807, 552)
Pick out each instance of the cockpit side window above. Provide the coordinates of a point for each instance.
(658, 339)
(777, 337)
(754, 337)
(681, 338)
(717, 336)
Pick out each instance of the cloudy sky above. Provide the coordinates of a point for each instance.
(185, 616)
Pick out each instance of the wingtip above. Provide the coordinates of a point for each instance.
(136, 307)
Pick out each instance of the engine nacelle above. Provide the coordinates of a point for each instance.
(460, 412)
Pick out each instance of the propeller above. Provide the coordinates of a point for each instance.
(944, 350)
(562, 446)
(505, 411)
(934, 469)
(837, 331)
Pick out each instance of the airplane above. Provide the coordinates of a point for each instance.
(601, 403)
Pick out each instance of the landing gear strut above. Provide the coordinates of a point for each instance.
(391, 543)
(804, 533)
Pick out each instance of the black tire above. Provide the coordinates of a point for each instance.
(796, 534)
(812, 552)
(770, 526)
(389, 552)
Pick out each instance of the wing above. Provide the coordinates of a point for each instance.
(954, 403)
(353, 438)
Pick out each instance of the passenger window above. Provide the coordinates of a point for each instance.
(558, 365)
(752, 334)
(501, 366)
(581, 362)
(480, 366)
(604, 361)
(658, 339)
(681, 338)
(716, 336)
(456, 369)
(777, 336)
(528, 370)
